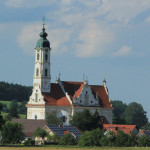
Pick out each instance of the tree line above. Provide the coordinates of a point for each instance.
(92, 133)
(10, 91)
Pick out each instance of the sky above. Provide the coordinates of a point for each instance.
(97, 39)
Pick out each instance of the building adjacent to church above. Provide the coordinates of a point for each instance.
(64, 97)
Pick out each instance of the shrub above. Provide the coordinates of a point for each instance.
(91, 138)
(29, 142)
(143, 141)
(67, 139)
(123, 139)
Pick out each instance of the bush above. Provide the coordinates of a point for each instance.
(143, 141)
(123, 139)
(54, 139)
(91, 138)
(29, 142)
(67, 139)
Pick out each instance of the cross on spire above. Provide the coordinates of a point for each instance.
(43, 22)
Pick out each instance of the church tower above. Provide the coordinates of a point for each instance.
(42, 77)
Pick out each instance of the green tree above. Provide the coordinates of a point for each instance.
(12, 133)
(14, 109)
(85, 120)
(67, 139)
(118, 112)
(135, 114)
(22, 108)
(39, 132)
(51, 118)
(91, 138)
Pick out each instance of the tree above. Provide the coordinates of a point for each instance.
(12, 133)
(91, 138)
(39, 132)
(67, 139)
(118, 112)
(85, 120)
(13, 109)
(51, 118)
(135, 114)
(22, 108)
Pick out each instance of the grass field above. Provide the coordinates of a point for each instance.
(73, 148)
(8, 103)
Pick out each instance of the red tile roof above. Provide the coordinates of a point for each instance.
(57, 97)
(103, 96)
(128, 129)
(30, 125)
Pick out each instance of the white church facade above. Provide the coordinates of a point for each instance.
(64, 97)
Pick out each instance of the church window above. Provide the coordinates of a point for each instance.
(36, 97)
(38, 56)
(46, 57)
(45, 72)
(37, 72)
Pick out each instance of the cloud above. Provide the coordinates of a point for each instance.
(27, 37)
(28, 4)
(59, 38)
(123, 51)
(123, 11)
(147, 20)
(93, 39)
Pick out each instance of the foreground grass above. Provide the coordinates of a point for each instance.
(74, 148)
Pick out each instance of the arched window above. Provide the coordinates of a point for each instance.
(38, 56)
(46, 57)
(45, 72)
(37, 72)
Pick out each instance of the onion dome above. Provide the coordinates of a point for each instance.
(43, 42)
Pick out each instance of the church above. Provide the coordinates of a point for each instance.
(63, 97)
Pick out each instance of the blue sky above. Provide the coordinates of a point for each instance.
(99, 38)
